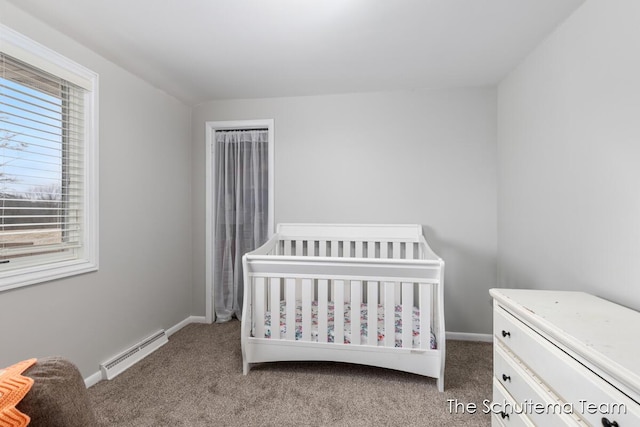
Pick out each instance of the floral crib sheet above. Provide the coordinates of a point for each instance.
(364, 324)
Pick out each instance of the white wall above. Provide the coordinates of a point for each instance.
(569, 158)
(425, 157)
(144, 281)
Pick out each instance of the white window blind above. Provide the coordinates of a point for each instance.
(41, 176)
(48, 164)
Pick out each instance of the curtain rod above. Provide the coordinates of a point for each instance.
(239, 130)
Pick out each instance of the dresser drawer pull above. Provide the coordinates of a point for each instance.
(607, 423)
(506, 377)
(506, 334)
(504, 415)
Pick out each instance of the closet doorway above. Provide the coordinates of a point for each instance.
(239, 207)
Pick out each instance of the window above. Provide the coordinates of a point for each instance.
(48, 164)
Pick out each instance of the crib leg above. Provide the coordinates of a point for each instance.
(440, 382)
(246, 367)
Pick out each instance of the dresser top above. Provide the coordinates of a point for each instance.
(604, 334)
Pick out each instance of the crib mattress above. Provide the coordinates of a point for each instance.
(364, 324)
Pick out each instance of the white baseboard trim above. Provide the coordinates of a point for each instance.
(468, 336)
(191, 319)
(96, 377)
(93, 379)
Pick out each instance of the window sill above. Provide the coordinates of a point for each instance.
(45, 273)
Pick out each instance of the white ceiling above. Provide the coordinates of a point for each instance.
(200, 50)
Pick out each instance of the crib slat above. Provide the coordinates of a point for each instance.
(334, 248)
(371, 249)
(356, 295)
(425, 316)
(322, 248)
(299, 251)
(384, 250)
(409, 251)
(274, 289)
(287, 247)
(389, 315)
(372, 313)
(258, 307)
(306, 309)
(396, 250)
(359, 249)
(407, 315)
(290, 301)
(338, 315)
(323, 309)
(346, 249)
(311, 248)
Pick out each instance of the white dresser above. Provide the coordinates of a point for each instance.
(564, 359)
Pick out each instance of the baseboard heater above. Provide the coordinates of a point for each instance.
(123, 361)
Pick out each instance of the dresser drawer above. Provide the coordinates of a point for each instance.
(591, 397)
(501, 414)
(510, 331)
(527, 391)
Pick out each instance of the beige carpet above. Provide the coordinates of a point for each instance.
(196, 380)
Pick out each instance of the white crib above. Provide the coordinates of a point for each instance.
(306, 278)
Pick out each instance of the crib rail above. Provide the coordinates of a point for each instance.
(293, 300)
(288, 281)
(350, 248)
(402, 241)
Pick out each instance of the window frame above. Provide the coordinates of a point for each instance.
(84, 259)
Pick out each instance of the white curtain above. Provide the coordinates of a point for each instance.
(241, 211)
